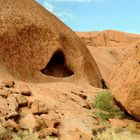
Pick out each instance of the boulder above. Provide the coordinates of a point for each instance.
(125, 83)
(11, 114)
(25, 90)
(41, 121)
(51, 120)
(11, 124)
(29, 122)
(4, 108)
(8, 83)
(8, 107)
(21, 100)
(38, 108)
(12, 102)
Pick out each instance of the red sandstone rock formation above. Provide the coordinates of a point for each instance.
(125, 83)
(36, 46)
(108, 48)
(109, 38)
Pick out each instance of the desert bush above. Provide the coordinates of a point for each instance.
(112, 134)
(30, 135)
(21, 135)
(2, 130)
(25, 135)
(106, 107)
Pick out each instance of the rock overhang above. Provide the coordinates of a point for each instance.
(29, 38)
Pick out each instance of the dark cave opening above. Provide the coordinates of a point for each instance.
(57, 66)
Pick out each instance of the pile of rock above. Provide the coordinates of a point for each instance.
(18, 112)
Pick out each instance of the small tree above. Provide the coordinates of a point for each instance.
(106, 107)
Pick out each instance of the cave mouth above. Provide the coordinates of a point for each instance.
(57, 66)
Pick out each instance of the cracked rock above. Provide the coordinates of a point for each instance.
(11, 115)
(4, 108)
(25, 90)
(21, 100)
(38, 108)
(51, 121)
(4, 93)
(12, 102)
(11, 124)
(41, 121)
(8, 83)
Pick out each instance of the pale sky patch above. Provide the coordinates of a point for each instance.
(95, 15)
(70, 0)
(98, 1)
(64, 15)
(48, 6)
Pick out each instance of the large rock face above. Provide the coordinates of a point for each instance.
(108, 49)
(107, 59)
(36, 46)
(108, 38)
(125, 83)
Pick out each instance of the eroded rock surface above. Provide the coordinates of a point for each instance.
(34, 51)
(108, 49)
(126, 82)
(54, 108)
(109, 38)
(16, 113)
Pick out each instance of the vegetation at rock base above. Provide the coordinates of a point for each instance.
(112, 134)
(30, 135)
(106, 107)
(21, 135)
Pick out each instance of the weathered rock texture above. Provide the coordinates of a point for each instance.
(108, 38)
(36, 46)
(107, 59)
(125, 83)
(16, 114)
(108, 48)
(51, 109)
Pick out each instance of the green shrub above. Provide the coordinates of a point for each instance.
(106, 107)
